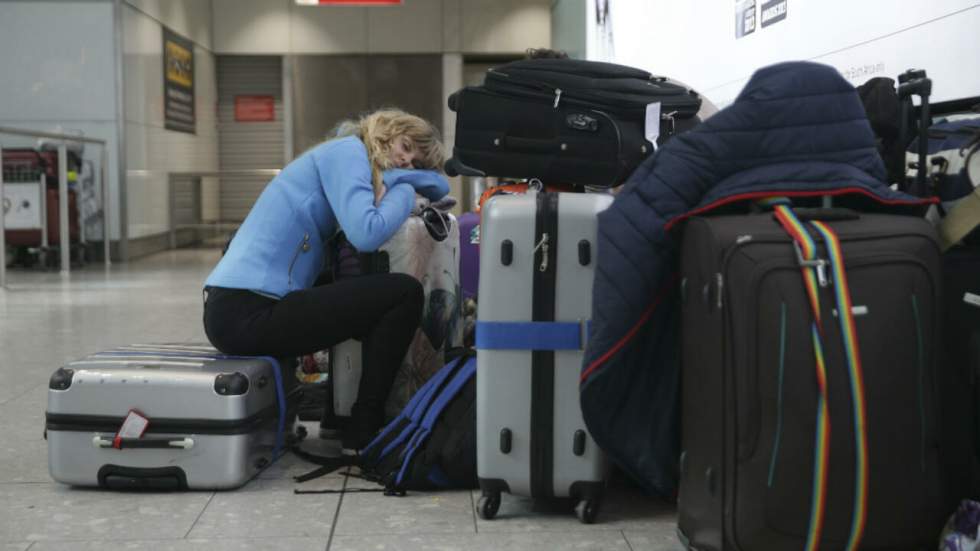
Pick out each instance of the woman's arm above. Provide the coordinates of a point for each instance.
(345, 176)
(428, 183)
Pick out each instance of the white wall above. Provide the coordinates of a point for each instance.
(57, 63)
(152, 151)
(417, 26)
(694, 41)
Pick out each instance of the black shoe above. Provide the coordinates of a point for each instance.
(361, 428)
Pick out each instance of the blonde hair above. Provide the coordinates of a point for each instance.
(378, 131)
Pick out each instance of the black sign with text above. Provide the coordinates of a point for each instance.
(773, 11)
(178, 83)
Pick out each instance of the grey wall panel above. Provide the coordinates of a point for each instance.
(411, 82)
(328, 89)
(247, 145)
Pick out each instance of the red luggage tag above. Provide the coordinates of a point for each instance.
(133, 427)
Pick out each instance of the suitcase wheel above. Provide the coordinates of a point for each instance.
(487, 505)
(587, 510)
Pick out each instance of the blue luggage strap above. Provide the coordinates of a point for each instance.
(531, 335)
(276, 373)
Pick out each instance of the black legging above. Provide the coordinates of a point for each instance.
(381, 310)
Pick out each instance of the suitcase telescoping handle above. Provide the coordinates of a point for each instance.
(914, 82)
(180, 443)
(826, 214)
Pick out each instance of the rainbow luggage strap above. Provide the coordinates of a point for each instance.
(815, 277)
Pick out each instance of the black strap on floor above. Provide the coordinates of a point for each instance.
(344, 491)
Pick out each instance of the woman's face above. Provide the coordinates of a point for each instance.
(402, 152)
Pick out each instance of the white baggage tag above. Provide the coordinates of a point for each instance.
(133, 427)
(651, 127)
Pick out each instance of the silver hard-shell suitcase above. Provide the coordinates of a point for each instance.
(537, 257)
(214, 421)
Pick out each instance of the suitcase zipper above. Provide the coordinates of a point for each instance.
(543, 245)
(542, 459)
(680, 101)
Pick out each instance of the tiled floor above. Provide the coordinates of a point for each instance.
(46, 320)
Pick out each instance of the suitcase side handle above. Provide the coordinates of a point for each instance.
(532, 144)
(144, 443)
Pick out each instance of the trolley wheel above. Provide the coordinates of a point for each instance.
(587, 510)
(488, 505)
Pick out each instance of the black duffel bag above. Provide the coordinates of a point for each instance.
(564, 121)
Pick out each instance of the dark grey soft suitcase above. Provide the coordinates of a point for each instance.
(214, 421)
(750, 390)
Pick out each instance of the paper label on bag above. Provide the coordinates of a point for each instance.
(651, 127)
(134, 426)
(971, 299)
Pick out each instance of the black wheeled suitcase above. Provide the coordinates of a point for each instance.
(565, 121)
(764, 465)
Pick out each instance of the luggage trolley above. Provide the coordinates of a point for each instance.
(31, 212)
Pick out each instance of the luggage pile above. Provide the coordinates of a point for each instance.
(801, 367)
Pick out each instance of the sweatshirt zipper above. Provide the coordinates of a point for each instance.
(304, 246)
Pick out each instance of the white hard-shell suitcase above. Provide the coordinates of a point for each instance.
(435, 263)
(214, 421)
(537, 257)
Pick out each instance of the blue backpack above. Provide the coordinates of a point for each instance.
(431, 445)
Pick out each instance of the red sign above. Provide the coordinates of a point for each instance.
(255, 108)
(349, 2)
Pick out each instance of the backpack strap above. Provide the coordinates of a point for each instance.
(393, 435)
(401, 429)
(462, 377)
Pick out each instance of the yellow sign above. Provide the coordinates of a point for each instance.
(180, 66)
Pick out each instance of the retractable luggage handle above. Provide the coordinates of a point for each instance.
(144, 443)
(915, 83)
